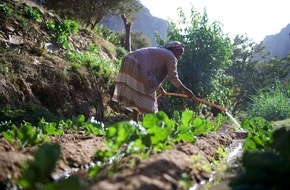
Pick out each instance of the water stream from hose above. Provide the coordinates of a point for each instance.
(204, 102)
(234, 120)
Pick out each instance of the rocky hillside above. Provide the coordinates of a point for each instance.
(35, 70)
(278, 44)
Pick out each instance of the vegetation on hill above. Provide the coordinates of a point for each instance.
(53, 64)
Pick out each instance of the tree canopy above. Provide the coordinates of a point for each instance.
(207, 55)
(91, 12)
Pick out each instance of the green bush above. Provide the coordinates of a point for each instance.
(5, 10)
(121, 52)
(272, 103)
(62, 30)
(32, 14)
(272, 161)
(108, 35)
(93, 62)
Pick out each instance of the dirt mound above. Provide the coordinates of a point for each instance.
(34, 67)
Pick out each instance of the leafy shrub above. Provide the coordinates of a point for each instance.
(5, 10)
(50, 25)
(260, 133)
(121, 52)
(24, 135)
(62, 30)
(260, 165)
(271, 103)
(32, 13)
(108, 35)
(93, 48)
(94, 63)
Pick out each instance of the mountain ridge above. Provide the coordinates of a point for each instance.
(278, 45)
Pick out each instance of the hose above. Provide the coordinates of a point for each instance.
(194, 98)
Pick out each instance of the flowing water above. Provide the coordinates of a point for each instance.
(235, 152)
(233, 119)
(220, 179)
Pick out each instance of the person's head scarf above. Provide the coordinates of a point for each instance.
(174, 45)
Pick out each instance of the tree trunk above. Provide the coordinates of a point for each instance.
(127, 34)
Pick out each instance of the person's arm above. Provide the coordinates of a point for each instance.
(174, 79)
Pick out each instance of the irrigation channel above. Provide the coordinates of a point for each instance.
(220, 179)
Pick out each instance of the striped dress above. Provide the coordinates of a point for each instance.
(142, 73)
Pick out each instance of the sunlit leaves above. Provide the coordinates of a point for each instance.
(259, 133)
(118, 134)
(27, 134)
(156, 133)
(159, 127)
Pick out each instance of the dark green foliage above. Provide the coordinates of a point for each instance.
(121, 53)
(207, 55)
(36, 173)
(28, 112)
(268, 169)
(250, 75)
(5, 11)
(62, 30)
(243, 70)
(32, 13)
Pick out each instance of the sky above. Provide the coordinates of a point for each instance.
(255, 18)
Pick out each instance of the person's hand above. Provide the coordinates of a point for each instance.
(162, 92)
(190, 94)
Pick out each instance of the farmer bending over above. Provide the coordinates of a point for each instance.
(143, 72)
